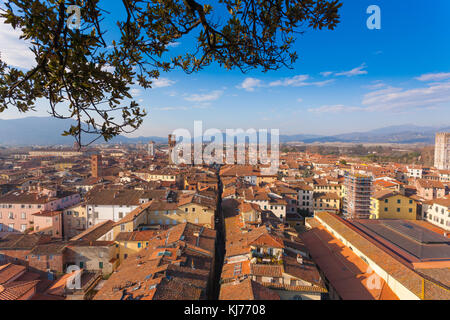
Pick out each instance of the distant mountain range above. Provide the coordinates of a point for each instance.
(404, 134)
(47, 131)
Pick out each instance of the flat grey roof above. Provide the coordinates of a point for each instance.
(417, 241)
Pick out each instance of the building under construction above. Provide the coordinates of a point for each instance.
(357, 199)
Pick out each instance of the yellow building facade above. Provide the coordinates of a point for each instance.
(327, 202)
(129, 243)
(392, 205)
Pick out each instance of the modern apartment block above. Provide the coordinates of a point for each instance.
(357, 199)
(442, 151)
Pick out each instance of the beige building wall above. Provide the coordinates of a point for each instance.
(192, 212)
(74, 220)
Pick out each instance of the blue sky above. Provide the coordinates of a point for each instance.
(348, 79)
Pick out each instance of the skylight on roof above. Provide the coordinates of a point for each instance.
(164, 253)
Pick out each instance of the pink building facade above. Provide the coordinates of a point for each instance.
(48, 223)
(18, 209)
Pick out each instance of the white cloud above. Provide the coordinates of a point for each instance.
(399, 99)
(204, 97)
(162, 82)
(339, 108)
(391, 99)
(326, 73)
(14, 51)
(173, 44)
(354, 72)
(434, 76)
(204, 105)
(135, 92)
(299, 81)
(249, 84)
(321, 83)
(108, 68)
(171, 108)
(375, 85)
(296, 81)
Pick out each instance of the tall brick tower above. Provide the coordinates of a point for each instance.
(96, 165)
(442, 151)
(172, 142)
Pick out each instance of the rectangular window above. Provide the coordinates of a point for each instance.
(139, 245)
(100, 265)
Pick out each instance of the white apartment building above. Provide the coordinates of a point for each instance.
(103, 204)
(438, 213)
(414, 172)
